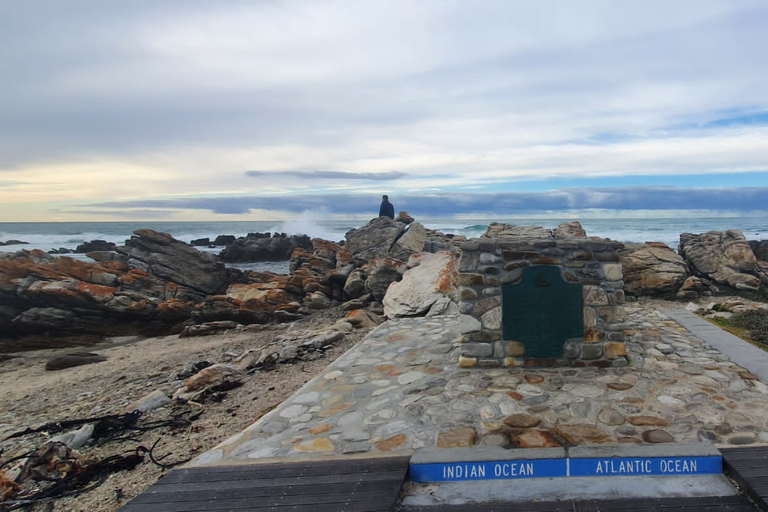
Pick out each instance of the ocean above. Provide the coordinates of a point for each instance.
(54, 235)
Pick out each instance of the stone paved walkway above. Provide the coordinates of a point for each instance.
(401, 390)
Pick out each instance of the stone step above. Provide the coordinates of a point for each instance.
(483, 475)
(468, 464)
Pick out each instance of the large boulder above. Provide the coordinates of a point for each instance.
(197, 273)
(501, 230)
(95, 245)
(430, 278)
(569, 230)
(40, 293)
(381, 273)
(263, 247)
(760, 249)
(320, 261)
(652, 269)
(410, 242)
(373, 240)
(725, 257)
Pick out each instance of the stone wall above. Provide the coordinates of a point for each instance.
(488, 264)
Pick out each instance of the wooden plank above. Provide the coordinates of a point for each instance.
(748, 467)
(334, 464)
(268, 492)
(383, 500)
(224, 473)
(551, 506)
(357, 506)
(350, 485)
(162, 487)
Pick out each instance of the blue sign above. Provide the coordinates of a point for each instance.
(488, 470)
(646, 466)
(547, 468)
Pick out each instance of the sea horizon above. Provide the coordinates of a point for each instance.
(67, 234)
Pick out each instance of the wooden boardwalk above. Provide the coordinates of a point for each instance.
(748, 467)
(374, 484)
(356, 485)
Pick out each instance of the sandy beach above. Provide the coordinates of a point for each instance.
(33, 396)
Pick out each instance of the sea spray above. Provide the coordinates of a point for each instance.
(309, 223)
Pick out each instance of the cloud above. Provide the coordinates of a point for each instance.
(447, 204)
(454, 95)
(331, 175)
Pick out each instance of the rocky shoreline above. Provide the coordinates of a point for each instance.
(155, 284)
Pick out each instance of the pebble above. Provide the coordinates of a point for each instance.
(402, 389)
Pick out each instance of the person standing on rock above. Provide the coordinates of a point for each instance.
(386, 209)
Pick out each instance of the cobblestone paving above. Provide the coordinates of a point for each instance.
(401, 390)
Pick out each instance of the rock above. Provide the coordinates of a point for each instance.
(362, 319)
(73, 359)
(321, 261)
(569, 230)
(497, 230)
(652, 269)
(317, 300)
(357, 303)
(201, 242)
(391, 443)
(95, 245)
(149, 402)
(430, 278)
(223, 240)
(411, 242)
(76, 438)
(208, 328)
(217, 375)
(724, 257)
(583, 434)
(198, 274)
(535, 438)
(373, 240)
(265, 356)
(647, 421)
(246, 312)
(13, 242)
(759, 249)
(457, 438)
(107, 256)
(610, 416)
(381, 273)
(521, 421)
(404, 218)
(657, 436)
(691, 289)
(443, 306)
(191, 369)
(262, 247)
(354, 286)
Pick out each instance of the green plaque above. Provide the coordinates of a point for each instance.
(542, 311)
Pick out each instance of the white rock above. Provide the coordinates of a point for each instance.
(434, 278)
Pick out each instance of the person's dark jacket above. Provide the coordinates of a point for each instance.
(387, 209)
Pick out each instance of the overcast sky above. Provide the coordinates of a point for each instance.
(217, 110)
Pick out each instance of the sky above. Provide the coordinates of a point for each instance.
(260, 110)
